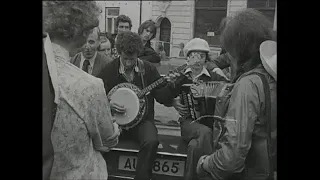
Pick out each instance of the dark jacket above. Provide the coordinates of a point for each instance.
(100, 62)
(223, 61)
(164, 93)
(184, 79)
(149, 54)
(48, 108)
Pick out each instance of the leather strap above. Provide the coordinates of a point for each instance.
(141, 72)
(266, 90)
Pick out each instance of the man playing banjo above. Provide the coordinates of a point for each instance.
(136, 73)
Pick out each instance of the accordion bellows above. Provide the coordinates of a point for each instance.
(201, 99)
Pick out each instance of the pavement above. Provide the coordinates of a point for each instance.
(165, 115)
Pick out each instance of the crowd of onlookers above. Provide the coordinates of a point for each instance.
(81, 65)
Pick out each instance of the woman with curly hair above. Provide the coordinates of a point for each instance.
(83, 126)
(245, 147)
(128, 68)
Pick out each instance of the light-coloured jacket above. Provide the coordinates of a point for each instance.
(83, 125)
(244, 142)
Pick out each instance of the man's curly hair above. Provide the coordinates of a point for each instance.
(69, 19)
(123, 18)
(242, 37)
(129, 43)
(147, 24)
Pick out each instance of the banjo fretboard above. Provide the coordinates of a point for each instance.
(153, 85)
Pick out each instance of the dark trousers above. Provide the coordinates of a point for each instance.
(146, 134)
(198, 137)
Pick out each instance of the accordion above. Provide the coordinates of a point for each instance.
(201, 99)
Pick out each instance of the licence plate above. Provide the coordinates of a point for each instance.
(160, 166)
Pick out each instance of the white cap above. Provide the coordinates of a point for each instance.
(196, 44)
(268, 55)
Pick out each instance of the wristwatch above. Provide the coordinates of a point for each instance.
(201, 164)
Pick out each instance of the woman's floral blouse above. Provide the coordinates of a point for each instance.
(83, 125)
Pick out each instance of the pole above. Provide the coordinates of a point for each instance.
(275, 19)
(140, 12)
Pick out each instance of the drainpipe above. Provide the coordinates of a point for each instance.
(275, 19)
(140, 12)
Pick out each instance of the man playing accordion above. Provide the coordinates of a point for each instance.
(197, 136)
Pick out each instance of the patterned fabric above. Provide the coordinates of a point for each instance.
(83, 124)
(122, 72)
(114, 53)
(195, 78)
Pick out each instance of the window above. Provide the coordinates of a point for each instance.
(111, 14)
(208, 16)
(267, 7)
(211, 3)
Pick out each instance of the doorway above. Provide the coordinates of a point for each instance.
(165, 35)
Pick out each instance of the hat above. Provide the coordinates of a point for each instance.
(268, 55)
(196, 44)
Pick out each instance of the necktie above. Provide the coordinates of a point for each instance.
(85, 66)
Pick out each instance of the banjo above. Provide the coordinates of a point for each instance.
(134, 100)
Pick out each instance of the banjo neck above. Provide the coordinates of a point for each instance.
(156, 83)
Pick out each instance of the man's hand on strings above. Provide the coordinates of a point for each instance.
(117, 108)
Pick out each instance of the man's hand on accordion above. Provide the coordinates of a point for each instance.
(182, 109)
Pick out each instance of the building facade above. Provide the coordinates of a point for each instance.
(180, 21)
(112, 9)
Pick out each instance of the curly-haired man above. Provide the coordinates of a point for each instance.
(123, 23)
(128, 68)
(82, 125)
(246, 146)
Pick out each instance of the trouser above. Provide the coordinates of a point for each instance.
(146, 134)
(199, 140)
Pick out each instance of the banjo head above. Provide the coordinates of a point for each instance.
(130, 100)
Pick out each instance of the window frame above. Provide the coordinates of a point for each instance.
(113, 17)
(211, 8)
(266, 8)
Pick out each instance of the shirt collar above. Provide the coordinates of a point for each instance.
(204, 71)
(91, 60)
(121, 68)
(53, 52)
